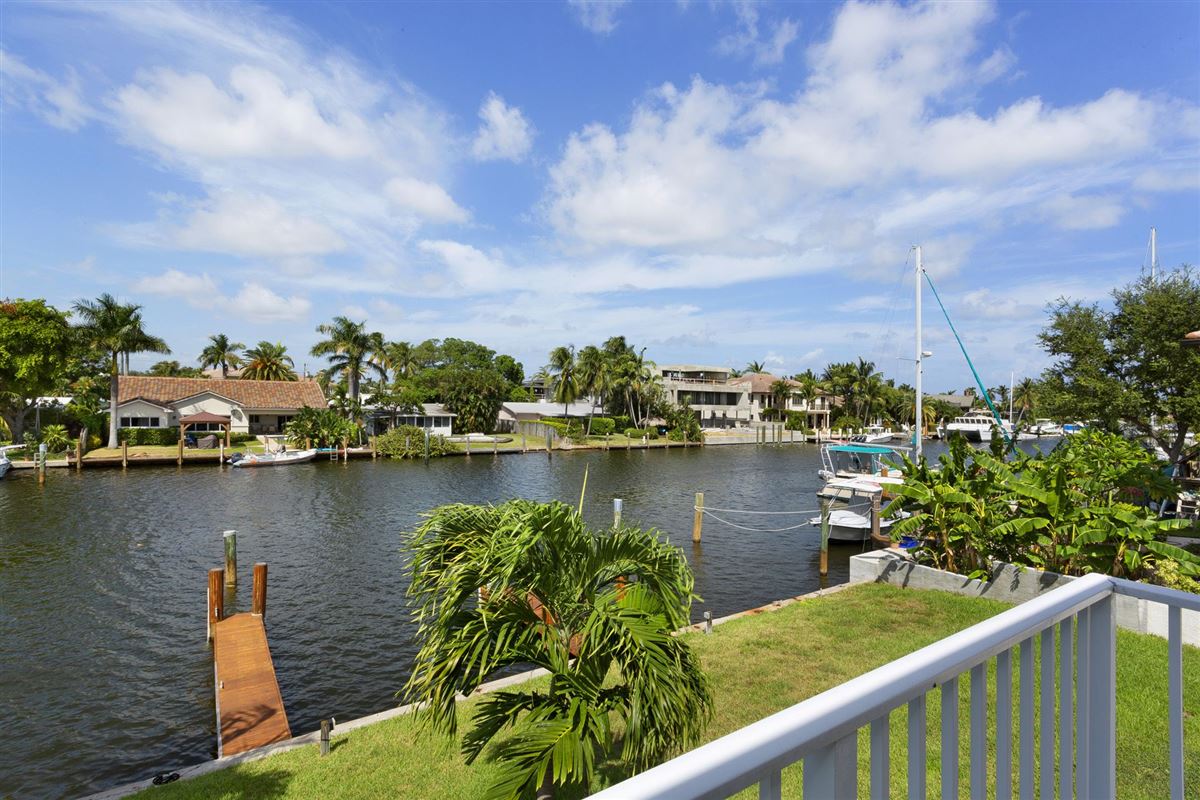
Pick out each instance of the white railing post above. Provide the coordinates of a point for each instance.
(917, 731)
(881, 770)
(1082, 706)
(1175, 697)
(1025, 725)
(1102, 699)
(770, 787)
(832, 771)
(1004, 725)
(1066, 709)
(950, 739)
(1046, 712)
(979, 732)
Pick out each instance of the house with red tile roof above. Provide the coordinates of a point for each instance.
(255, 407)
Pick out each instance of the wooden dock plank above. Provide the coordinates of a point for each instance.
(249, 706)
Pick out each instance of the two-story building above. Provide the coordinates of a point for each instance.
(722, 400)
(760, 396)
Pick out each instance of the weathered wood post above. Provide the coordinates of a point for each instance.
(875, 517)
(125, 455)
(698, 519)
(346, 450)
(179, 458)
(824, 567)
(79, 450)
(495, 446)
(325, 727)
(618, 503)
(549, 444)
(708, 622)
(216, 598)
(259, 603)
(608, 441)
(524, 446)
(468, 445)
(427, 446)
(374, 449)
(41, 464)
(230, 558)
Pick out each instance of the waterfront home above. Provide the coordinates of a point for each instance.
(757, 387)
(433, 416)
(963, 402)
(254, 407)
(512, 413)
(722, 400)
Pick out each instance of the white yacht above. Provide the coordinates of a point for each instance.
(1046, 427)
(977, 426)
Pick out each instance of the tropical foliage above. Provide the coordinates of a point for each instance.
(408, 441)
(1081, 508)
(269, 362)
(56, 438)
(528, 583)
(173, 369)
(115, 330)
(351, 350)
(35, 343)
(221, 352)
(320, 427)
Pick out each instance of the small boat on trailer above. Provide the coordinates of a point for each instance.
(280, 459)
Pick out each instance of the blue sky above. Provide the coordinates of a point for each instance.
(719, 182)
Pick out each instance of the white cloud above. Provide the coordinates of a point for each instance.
(257, 301)
(748, 41)
(1185, 177)
(504, 133)
(258, 116)
(253, 225)
(199, 291)
(58, 102)
(1083, 212)
(598, 16)
(424, 199)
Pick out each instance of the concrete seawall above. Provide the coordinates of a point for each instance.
(1010, 584)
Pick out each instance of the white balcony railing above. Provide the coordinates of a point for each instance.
(822, 732)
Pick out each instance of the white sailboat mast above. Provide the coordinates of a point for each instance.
(920, 420)
(1012, 381)
(1153, 252)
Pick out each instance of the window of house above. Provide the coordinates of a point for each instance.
(206, 427)
(141, 422)
(254, 419)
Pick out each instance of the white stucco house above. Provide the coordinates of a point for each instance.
(433, 416)
(254, 407)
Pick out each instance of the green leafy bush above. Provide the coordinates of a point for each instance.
(162, 437)
(1066, 512)
(846, 422)
(796, 421)
(638, 433)
(320, 427)
(408, 441)
(621, 422)
(769, 414)
(56, 438)
(602, 426)
(241, 438)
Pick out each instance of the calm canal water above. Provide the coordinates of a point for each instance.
(105, 675)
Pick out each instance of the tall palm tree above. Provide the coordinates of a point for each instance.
(781, 390)
(350, 349)
(269, 362)
(566, 381)
(401, 359)
(595, 610)
(116, 330)
(1025, 396)
(592, 369)
(221, 353)
(754, 368)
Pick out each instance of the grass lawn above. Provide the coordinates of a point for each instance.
(758, 665)
(169, 451)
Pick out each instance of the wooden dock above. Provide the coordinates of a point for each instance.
(249, 705)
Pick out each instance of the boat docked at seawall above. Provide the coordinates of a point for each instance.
(274, 459)
(1047, 427)
(5, 464)
(977, 426)
(847, 525)
(850, 527)
(873, 434)
(857, 460)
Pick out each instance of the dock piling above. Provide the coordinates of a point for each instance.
(259, 604)
(230, 558)
(325, 727)
(79, 451)
(698, 519)
(708, 622)
(617, 505)
(124, 455)
(216, 598)
(824, 567)
(427, 446)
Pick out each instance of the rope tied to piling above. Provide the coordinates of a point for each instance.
(709, 513)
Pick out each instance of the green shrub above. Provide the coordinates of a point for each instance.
(241, 438)
(161, 437)
(621, 422)
(770, 413)
(559, 425)
(637, 433)
(846, 422)
(603, 426)
(408, 441)
(56, 438)
(796, 421)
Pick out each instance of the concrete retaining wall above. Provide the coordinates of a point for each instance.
(1010, 584)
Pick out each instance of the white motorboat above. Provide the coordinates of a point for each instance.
(977, 426)
(850, 527)
(274, 459)
(856, 460)
(1047, 427)
(5, 465)
(873, 434)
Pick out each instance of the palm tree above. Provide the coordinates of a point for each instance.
(592, 369)
(221, 353)
(269, 362)
(595, 610)
(565, 380)
(401, 359)
(1025, 396)
(115, 330)
(350, 348)
(754, 368)
(780, 391)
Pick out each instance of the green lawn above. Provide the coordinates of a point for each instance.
(758, 665)
(169, 451)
